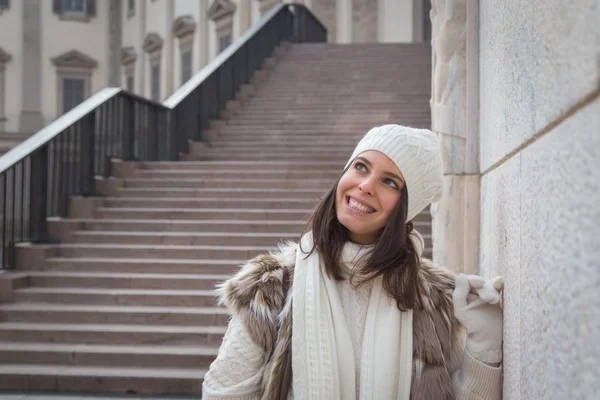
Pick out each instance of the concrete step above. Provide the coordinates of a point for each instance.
(233, 174)
(234, 193)
(159, 251)
(217, 183)
(111, 334)
(341, 150)
(182, 238)
(55, 378)
(139, 266)
(247, 214)
(123, 297)
(239, 165)
(112, 314)
(124, 280)
(340, 158)
(197, 226)
(165, 202)
(94, 355)
(292, 142)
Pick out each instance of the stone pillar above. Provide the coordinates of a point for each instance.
(169, 50)
(454, 108)
(115, 40)
(143, 56)
(202, 36)
(344, 21)
(31, 118)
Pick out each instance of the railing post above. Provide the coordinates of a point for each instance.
(88, 146)
(38, 195)
(128, 128)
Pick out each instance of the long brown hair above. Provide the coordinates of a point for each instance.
(393, 256)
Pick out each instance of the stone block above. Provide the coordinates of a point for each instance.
(500, 246)
(108, 186)
(537, 61)
(217, 124)
(84, 207)
(61, 230)
(566, 48)
(560, 232)
(123, 169)
(455, 224)
(9, 281)
(506, 78)
(31, 256)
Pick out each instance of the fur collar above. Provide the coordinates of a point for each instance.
(255, 295)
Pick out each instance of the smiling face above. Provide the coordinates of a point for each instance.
(367, 195)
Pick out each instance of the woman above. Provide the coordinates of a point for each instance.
(365, 317)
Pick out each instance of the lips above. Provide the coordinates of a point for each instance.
(359, 206)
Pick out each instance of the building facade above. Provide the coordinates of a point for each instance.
(54, 54)
(516, 101)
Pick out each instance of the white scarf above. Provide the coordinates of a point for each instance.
(322, 351)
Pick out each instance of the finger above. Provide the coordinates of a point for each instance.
(474, 301)
(461, 291)
(476, 281)
(488, 293)
(498, 283)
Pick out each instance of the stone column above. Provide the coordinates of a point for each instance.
(169, 50)
(115, 40)
(202, 37)
(31, 118)
(454, 108)
(143, 56)
(344, 21)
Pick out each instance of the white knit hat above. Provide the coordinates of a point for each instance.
(418, 156)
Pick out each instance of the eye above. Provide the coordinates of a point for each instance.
(360, 167)
(391, 183)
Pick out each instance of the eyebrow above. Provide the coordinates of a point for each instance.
(366, 161)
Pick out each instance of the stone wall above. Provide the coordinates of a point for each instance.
(364, 21)
(540, 189)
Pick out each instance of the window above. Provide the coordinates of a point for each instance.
(186, 66)
(73, 93)
(4, 4)
(224, 42)
(74, 77)
(74, 6)
(155, 81)
(130, 84)
(130, 8)
(77, 10)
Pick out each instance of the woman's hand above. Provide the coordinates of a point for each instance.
(477, 307)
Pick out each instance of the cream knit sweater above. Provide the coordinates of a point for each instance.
(235, 374)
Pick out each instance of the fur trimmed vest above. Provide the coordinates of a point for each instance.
(255, 294)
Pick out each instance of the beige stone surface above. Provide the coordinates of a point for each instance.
(540, 229)
(566, 43)
(506, 78)
(500, 255)
(364, 21)
(560, 232)
(455, 229)
(537, 60)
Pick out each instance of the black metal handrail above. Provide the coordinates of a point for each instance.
(63, 159)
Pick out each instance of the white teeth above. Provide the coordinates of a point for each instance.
(359, 207)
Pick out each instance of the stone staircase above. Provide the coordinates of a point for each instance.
(124, 303)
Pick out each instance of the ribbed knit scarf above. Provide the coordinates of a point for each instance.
(322, 351)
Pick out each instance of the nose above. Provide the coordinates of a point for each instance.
(366, 187)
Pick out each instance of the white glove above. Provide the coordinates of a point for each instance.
(476, 306)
